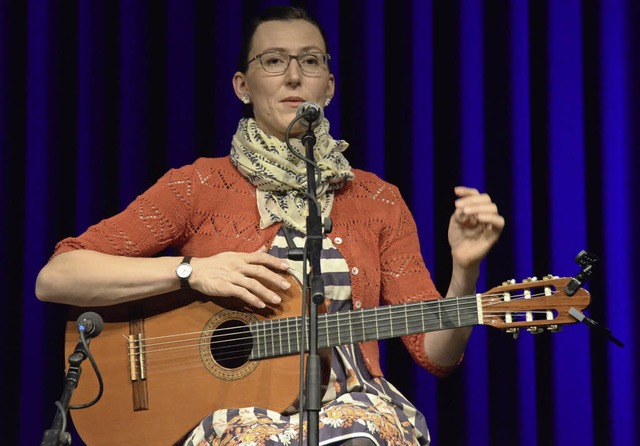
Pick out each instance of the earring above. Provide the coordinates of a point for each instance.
(246, 99)
(327, 102)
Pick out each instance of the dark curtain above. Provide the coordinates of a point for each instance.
(535, 102)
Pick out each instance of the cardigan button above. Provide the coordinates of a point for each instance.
(358, 304)
(337, 241)
(355, 271)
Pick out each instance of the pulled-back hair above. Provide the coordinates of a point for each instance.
(270, 14)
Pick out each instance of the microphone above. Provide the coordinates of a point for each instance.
(90, 323)
(311, 112)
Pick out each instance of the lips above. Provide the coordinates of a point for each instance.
(293, 101)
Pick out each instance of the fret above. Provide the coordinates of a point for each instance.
(268, 337)
(298, 337)
(375, 311)
(265, 340)
(279, 327)
(364, 335)
(439, 314)
(406, 319)
(273, 337)
(258, 339)
(288, 340)
(371, 330)
(350, 330)
(326, 329)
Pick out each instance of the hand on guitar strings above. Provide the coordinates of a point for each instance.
(242, 275)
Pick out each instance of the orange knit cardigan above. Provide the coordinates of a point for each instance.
(208, 207)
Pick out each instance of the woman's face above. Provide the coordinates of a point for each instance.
(276, 97)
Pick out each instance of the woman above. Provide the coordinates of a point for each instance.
(235, 248)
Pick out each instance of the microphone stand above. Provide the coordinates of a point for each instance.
(314, 247)
(57, 435)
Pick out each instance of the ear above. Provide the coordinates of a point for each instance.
(240, 85)
(331, 86)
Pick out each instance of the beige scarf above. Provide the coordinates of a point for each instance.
(280, 177)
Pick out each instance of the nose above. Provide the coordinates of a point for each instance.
(293, 72)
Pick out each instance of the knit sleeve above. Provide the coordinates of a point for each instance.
(405, 277)
(153, 221)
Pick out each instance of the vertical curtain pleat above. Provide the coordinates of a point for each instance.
(424, 385)
(534, 102)
(472, 149)
(618, 50)
(521, 180)
(135, 82)
(567, 218)
(181, 83)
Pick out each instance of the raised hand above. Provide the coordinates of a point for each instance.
(474, 227)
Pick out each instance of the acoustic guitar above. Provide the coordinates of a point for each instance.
(169, 361)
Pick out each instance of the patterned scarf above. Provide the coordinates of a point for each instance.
(280, 177)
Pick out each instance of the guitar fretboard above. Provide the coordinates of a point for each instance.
(280, 337)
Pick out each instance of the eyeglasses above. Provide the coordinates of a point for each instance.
(311, 64)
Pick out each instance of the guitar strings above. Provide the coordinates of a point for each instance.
(413, 313)
(291, 321)
(442, 303)
(396, 308)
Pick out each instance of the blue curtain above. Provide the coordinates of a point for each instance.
(533, 101)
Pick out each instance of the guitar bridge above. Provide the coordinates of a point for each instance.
(137, 365)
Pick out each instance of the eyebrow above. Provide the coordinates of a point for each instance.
(284, 50)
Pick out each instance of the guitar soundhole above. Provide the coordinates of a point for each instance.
(231, 344)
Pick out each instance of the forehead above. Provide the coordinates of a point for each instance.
(289, 35)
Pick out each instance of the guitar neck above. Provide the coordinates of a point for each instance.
(280, 337)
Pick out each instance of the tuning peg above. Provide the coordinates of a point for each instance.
(509, 282)
(535, 330)
(549, 277)
(513, 331)
(554, 328)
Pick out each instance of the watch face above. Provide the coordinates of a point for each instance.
(184, 270)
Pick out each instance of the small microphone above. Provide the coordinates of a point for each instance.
(90, 323)
(311, 112)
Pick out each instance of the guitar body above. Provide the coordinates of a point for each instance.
(179, 382)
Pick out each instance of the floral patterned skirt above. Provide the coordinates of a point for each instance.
(354, 406)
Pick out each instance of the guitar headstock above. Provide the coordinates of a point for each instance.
(532, 304)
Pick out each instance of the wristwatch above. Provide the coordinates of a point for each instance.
(183, 271)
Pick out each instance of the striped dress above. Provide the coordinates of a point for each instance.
(355, 405)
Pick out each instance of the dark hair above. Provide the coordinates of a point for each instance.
(270, 14)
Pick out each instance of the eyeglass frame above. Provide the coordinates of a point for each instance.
(326, 57)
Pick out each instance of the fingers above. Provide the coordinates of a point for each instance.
(252, 277)
(471, 201)
(251, 291)
(473, 207)
(261, 257)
